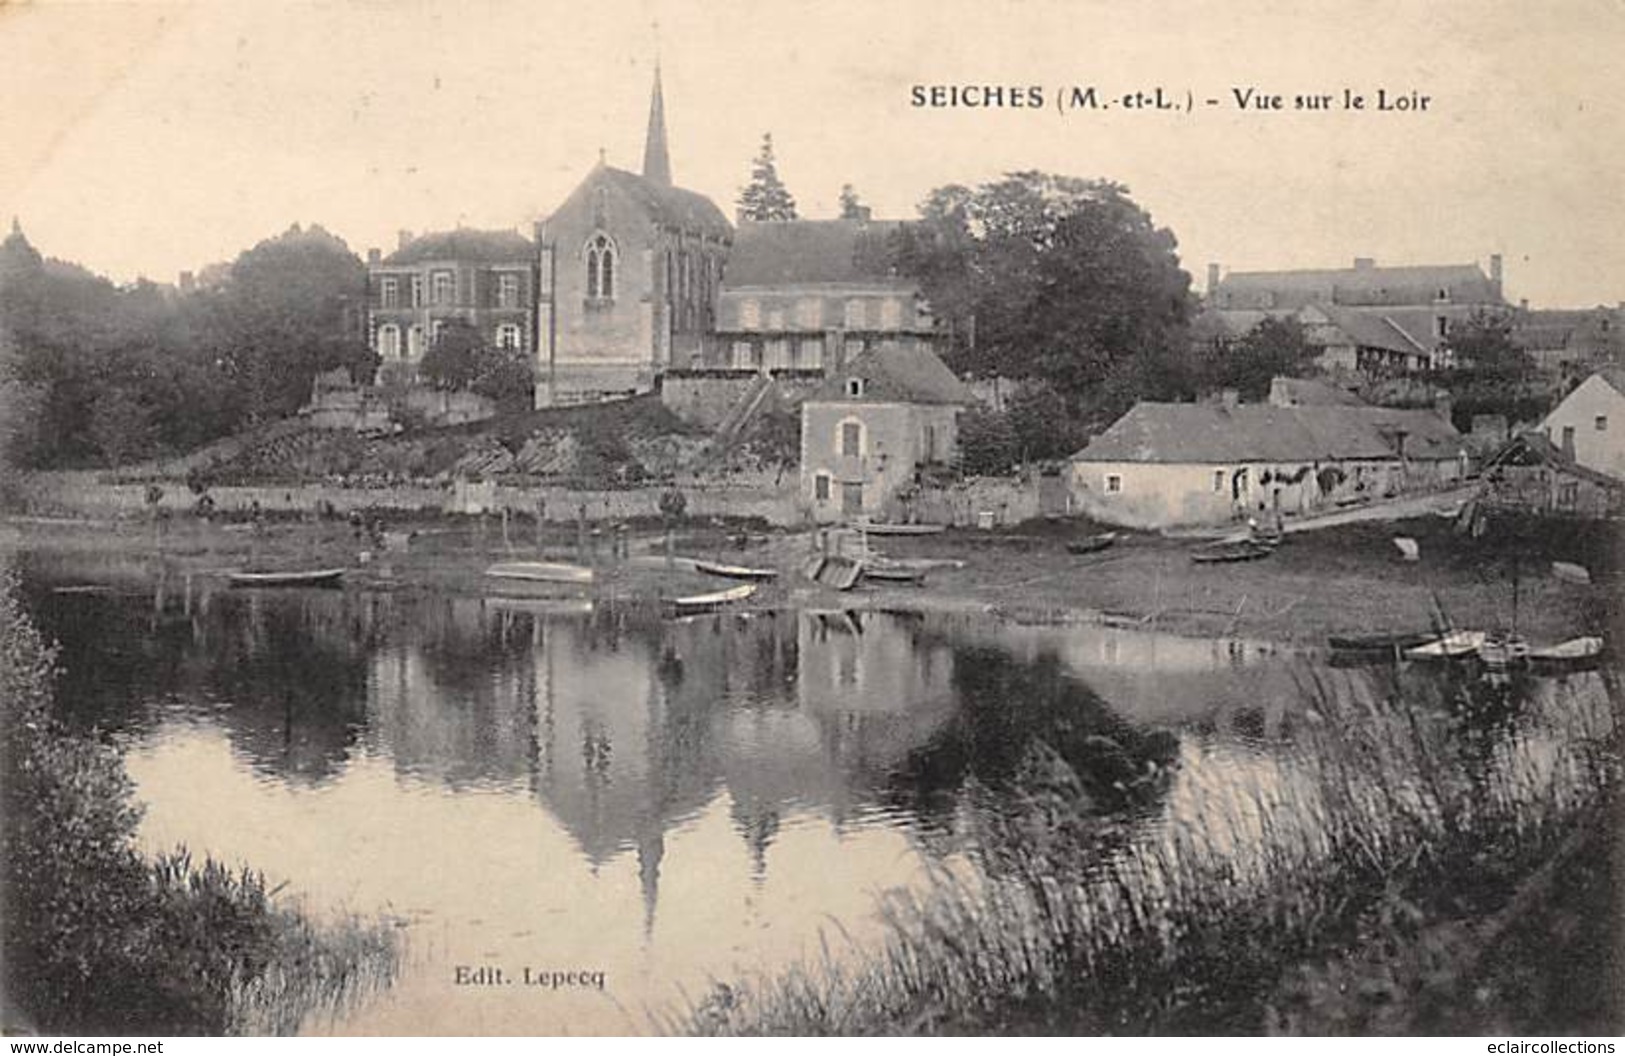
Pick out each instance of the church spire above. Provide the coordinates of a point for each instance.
(656, 161)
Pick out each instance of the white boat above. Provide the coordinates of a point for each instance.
(541, 572)
(1455, 644)
(695, 603)
(715, 568)
(1582, 648)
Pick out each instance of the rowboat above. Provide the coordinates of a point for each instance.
(893, 573)
(835, 572)
(1452, 646)
(1238, 550)
(316, 577)
(698, 603)
(540, 572)
(1092, 543)
(1576, 654)
(901, 530)
(712, 568)
(1387, 644)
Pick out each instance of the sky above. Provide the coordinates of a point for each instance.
(141, 139)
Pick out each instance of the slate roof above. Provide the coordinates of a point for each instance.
(810, 252)
(905, 374)
(466, 244)
(671, 206)
(1536, 449)
(1418, 284)
(1210, 433)
(1304, 392)
(1614, 376)
(1369, 329)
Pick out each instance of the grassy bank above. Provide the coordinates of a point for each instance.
(1393, 877)
(99, 939)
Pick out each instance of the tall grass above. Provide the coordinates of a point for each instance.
(1352, 886)
(98, 939)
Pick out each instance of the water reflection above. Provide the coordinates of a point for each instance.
(666, 800)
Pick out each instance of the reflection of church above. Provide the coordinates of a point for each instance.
(624, 280)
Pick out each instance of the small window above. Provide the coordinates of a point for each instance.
(1601, 423)
(741, 354)
(436, 329)
(750, 315)
(1568, 437)
(389, 293)
(389, 341)
(417, 291)
(1218, 480)
(1441, 326)
(509, 336)
(891, 314)
(414, 342)
(854, 387)
(507, 291)
(445, 286)
(854, 314)
(1444, 293)
(1114, 483)
(821, 487)
(600, 268)
(851, 439)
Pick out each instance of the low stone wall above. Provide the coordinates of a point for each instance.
(80, 494)
(973, 502)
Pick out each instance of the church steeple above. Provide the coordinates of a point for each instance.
(656, 160)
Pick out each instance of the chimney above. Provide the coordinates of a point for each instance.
(403, 238)
(374, 256)
(1443, 405)
(1229, 398)
(1364, 263)
(187, 282)
(1495, 272)
(1212, 278)
(1523, 304)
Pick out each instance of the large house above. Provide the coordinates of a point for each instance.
(1365, 319)
(1589, 425)
(814, 295)
(1166, 464)
(871, 428)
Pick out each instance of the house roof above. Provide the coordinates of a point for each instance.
(1615, 377)
(904, 374)
(810, 252)
(1537, 449)
(466, 244)
(1373, 329)
(1208, 433)
(670, 206)
(1361, 285)
(1303, 392)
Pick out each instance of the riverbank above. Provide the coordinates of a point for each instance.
(1344, 579)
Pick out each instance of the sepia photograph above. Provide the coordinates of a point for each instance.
(813, 518)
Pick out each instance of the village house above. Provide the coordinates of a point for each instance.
(1532, 475)
(1589, 425)
(1571, 339)
(871, 428)
(484, 278)
(1167, 464)
(1365, 319)
(814, 295)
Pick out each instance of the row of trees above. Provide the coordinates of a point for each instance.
(99, 374)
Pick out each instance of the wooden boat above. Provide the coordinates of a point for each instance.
(1452, 646)
(1237, 550)
(1092, 543)
(316, 577)
(889, 572)
(901, 529)
(835, 572)
(713, 568)
(540, 572)
(1503, 650)
(1576, 654)
(698, 603)
(1386, 643)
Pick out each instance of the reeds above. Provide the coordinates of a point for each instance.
(1340, 886)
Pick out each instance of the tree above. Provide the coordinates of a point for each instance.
(1057, 279)
(851, 207)
(1484, 342)
(453, 358)
(1273, 348)
(765, 197)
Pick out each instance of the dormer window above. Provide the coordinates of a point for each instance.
(854, 387)
(1444, 293)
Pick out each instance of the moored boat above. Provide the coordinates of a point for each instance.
(834, 571)
(1452, 646)
(540, 572)
(698, 603)
(889, 572)
(1237, 550)
(1091, 543)
(1576, 654)
(316, 577)
(901, 529)
(714, 568)
(1385, 642)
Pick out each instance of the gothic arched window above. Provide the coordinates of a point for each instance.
(600, 268)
